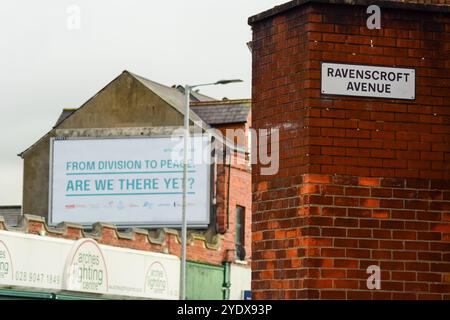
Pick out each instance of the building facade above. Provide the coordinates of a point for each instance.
(218, 255)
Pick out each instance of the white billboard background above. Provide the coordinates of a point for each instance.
(128, 181)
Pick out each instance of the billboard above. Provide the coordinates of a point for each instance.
(129, 181)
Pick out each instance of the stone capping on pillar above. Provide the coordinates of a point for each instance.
(438, 8)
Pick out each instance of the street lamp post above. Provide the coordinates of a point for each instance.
(187, 92)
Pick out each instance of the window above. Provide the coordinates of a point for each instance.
(239, 236)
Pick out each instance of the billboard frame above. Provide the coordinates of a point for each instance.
(129, 224)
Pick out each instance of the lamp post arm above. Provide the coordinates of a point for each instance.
(202, 85)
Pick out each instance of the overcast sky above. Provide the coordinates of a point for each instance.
(48, 63)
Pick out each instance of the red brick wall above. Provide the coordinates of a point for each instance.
(347, 223)
(362, 181)
(234, 185)
(238, 194)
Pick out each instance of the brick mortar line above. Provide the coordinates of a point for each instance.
(354, 238)
(363, 279)
(359, 228)
(359, 259)
(362, 218)
(351, 186)
(357, 268)
(360, 248)
(364, 186)
(342, 207)
(383, 56)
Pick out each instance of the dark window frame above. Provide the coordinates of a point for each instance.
(239, 237)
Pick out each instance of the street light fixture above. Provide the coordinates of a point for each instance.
(187, 92)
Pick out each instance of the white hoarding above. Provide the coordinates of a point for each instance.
(52, 264)
(368, 81)
(129, 181)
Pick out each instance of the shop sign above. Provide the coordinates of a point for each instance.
(40, 263)
(86, 270)
(6, 267)
(156, 280)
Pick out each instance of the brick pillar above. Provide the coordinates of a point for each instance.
(362, 181)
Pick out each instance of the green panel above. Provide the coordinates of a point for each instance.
(76, 297)
(23, 295)
(7, 294)
(204, 282)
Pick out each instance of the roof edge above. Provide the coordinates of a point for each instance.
(192, 115)
(439, 8)
(221, 102)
